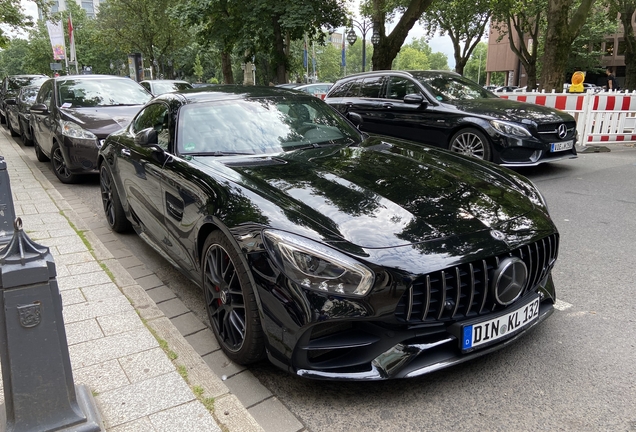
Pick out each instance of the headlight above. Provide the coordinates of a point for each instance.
(73, 130)
(539, 194)
(316, 266)
(510, 128)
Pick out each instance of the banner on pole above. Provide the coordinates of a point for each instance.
(56, 35)
(71, 39)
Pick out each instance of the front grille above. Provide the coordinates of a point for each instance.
(462, 291)
(550, 132)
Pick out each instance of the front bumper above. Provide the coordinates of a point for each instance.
(517, 152)
(80, 155)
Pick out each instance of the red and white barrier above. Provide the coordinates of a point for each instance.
(607, 117)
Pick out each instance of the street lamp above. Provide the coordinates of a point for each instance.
(364, 26)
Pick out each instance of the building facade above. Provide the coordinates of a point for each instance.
(90, 6)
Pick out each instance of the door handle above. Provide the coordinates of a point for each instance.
(125, 152)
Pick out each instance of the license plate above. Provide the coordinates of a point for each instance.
(487, 332)
(560, 146)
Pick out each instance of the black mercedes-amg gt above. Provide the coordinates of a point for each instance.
(334, 254)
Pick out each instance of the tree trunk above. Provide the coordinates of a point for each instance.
(627, 11)
(279, 51)
(226, 67)
(560, 34)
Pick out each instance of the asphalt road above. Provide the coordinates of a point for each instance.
(576, 372)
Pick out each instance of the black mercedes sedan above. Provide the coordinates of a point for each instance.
(334, 254)
(446, 110)
(72, 115)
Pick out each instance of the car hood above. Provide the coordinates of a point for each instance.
(102, 121)
(380, 194)
(505, 109)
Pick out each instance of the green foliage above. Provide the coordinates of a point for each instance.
(476, 66)
(13, 58)
(439, 61)
(328, 59)
(410, 58)
(12, 17)
(198, 68)
(586, 51)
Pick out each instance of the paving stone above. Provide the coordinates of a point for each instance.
(140, 425)
(189, 417)
(83, 280)
(87, 310)
(102, 377)
(143, 398)
(172, 308)
(247, 389)
(273, 416)
(221, 365)
(84, 267)
(146, 364)
(121, 253)
(100, 292)
(161, 294)
(149, 282)
(72, 296)
(131, 262)
(139, 271)
(111, 347)
(120, 322)
(82, 331)
(203, 342)
(188, 324)
(73, 258)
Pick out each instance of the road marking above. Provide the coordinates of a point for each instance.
(561, 305)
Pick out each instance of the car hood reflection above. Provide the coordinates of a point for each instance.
(511, 110)
(382, 194)
(102, 120)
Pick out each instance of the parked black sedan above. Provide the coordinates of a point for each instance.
(73, 114)
(19, 111)
(9, 89)
(335, 254)
(446, 110)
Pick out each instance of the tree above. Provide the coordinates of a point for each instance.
(439, 61)
(476, 66)
(626, 9)
(521, 22)
(144, 26)
(329, 60)
(12, 59)
(383, 11)
(12, 15)
(198, 68)
(464, 21)
(565, 21)
(410, 58)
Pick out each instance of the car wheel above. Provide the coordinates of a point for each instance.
(230, 301)
(113, 209)
(10, 127)
(59, 166)
(38, 151)
(471, 142)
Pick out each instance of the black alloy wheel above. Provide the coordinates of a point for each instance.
(471, 142)
(59, 166)
(230, 301)
(115, 215)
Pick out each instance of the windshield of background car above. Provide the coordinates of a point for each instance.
(260, 126)
(28, 94)
(16, 83)
(78, 93)
(448, 88)
(165, 87)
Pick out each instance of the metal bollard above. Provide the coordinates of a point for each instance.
(39, 392)
(7, 211)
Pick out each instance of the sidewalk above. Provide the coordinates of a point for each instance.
(143, 373)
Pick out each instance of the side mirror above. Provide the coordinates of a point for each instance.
(414, 99)
(355, 118)
(10, 101)
(147, 138)
(39, 109)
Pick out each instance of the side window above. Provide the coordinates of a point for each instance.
(340, 90)
(398, 87)
(154, 116)
(371, 87)
(45, 94)
(356, 89)
(146, 85)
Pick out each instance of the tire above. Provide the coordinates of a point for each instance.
(26, 141)
(115, 215)
(230, 301)
(59, 166)
(10, 127)
(38, 151)
(471, 142)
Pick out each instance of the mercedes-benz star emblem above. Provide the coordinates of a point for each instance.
(497, 235)
(562, 130)
(509, 279)
(223, 297)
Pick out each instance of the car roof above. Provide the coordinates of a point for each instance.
(230, 91)
(90, 77)
(409, 73)
(166, 80)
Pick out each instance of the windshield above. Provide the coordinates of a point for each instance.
(28, 94)
(447, 87)
(78, 92)
(16, 83)
(260, 126)
(160, 87)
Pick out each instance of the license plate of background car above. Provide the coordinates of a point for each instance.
(560, 146)
(487, 332)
